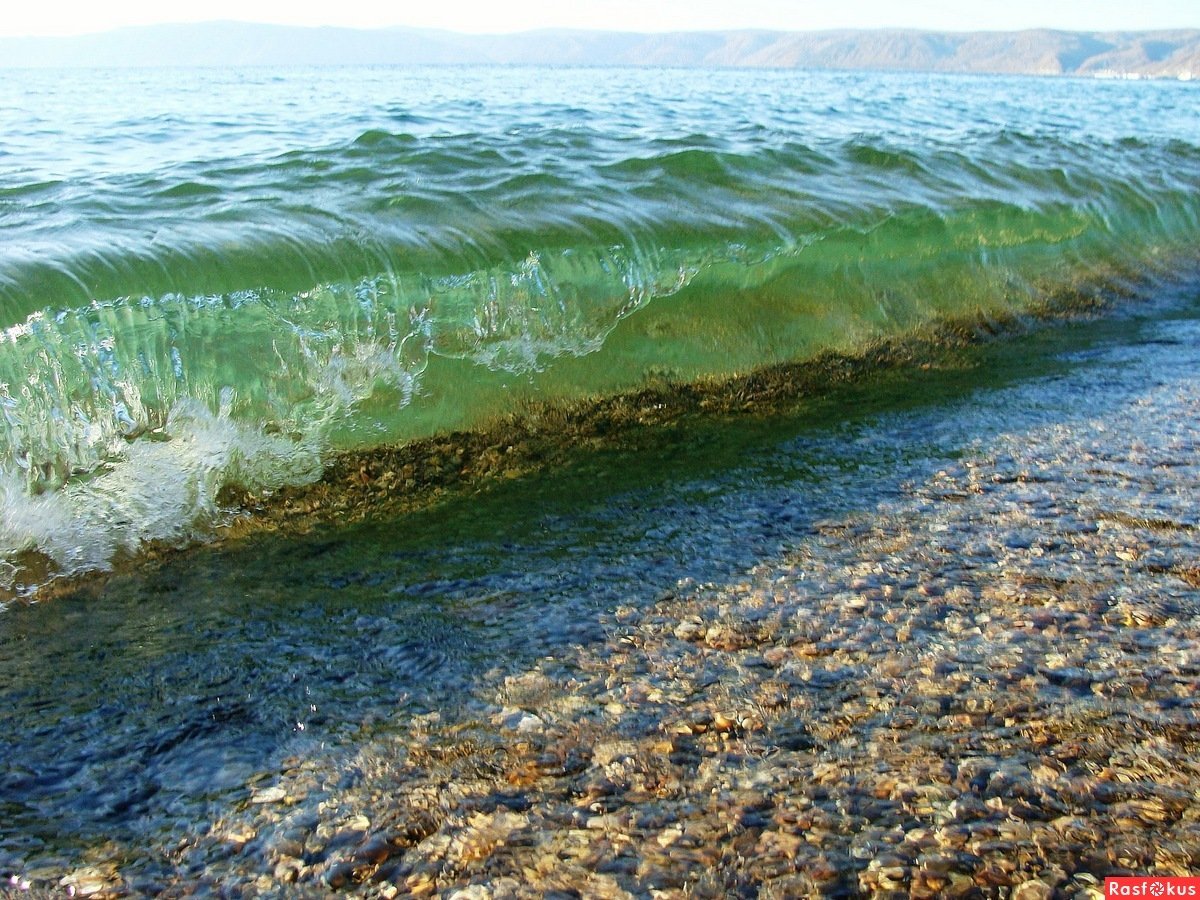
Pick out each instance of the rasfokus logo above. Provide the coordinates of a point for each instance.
(1146, 886)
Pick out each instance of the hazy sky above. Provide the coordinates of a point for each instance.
(60, 17)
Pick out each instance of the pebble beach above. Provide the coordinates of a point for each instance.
(502, 482)
(968, 668)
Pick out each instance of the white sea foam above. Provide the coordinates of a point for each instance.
(154, 490)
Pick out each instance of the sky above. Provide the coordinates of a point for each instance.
(58, 17)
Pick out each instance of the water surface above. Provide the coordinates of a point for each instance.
(214, 278)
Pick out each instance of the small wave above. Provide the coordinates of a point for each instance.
(376, 138)
(159, 489)
(190, 189)
(877, 155)
(231, 319)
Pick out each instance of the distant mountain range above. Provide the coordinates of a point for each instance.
(1154, 54)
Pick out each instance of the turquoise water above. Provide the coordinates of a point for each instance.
(214, 278)
(219, 278)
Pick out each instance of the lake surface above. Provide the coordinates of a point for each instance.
(217, 279)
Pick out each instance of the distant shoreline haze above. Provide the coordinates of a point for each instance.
(1130, 54)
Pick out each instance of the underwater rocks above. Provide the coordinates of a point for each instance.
(981, 684)
(384, 482)
(984, 685)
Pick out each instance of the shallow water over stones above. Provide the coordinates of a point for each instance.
(938, 648)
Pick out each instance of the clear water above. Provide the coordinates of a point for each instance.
(135, 716)
(214, 277)
(217, 278)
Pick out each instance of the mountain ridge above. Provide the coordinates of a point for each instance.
(1145, 54)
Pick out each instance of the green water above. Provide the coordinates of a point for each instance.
(217, 278)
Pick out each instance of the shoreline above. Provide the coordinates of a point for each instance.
(977, 676)
(396, 479)
(982, 682)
